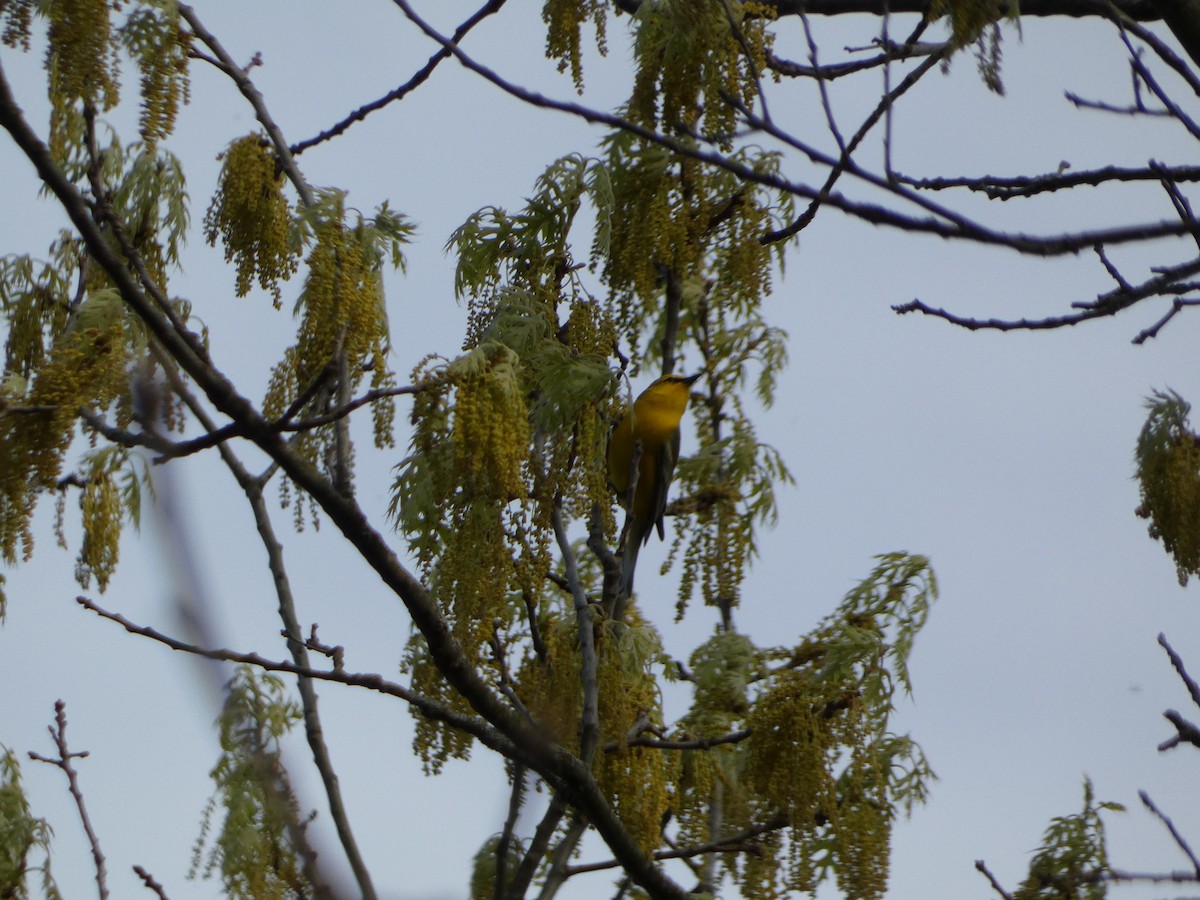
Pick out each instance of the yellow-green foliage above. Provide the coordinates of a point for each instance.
(149, 196)
(975, 23)
(635, 779)
(548, 683)
(1072, 854)
(691, 55)
(729, 486)
(253, 851)
(800, 724)
(483, 871)
(62, 354)
(86, 367)
(969, 18)
(20, 835)
(102, 515)
(723, 670)
(662, 213)
(524, 293)
(16, 15)
(564, 21)
(1168, 471)
(460, 494)
(34, 301)
(253, 218)
(155, 39)
(819, 748)
(507, 432)
(343, 332)
(83, 66)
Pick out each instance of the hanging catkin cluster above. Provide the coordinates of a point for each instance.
(253, 219)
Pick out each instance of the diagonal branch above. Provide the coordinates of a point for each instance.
(734, 843)
(421, 76)
(1179, 839)
(239, 77)
(1167, 282)
(431, 709)
(938, 221)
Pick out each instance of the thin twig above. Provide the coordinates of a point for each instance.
(655, 743)
(589, 723)
(238, 75)
(734, 843)
(939, 221)
(981, 866)
(148, 880)
(739, 35)
(283, 423)
(1179, 839)
(516, 799)
(1177, 663)
(472, 725)
(1152, 331)
(556, 872)
(536, 850)
(421, 76)
(58, 734)
(1167, 281)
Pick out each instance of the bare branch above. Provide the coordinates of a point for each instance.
(556, 872)
(284, 423)
(1152, 332)
(537, 848)
(240, 77)
(1029, 185)
(1177, 663)
(892, 52)
(589, 724)
(148, 880)
(58, 734)
(941, 222)
(164, 448)
(472, 725)
(1179, 840)
(516, 798)
(844, 163)
(1186, 732)
(981, 866)
(421, 76)
(734, 843)
(734, 737)
(1167, 282)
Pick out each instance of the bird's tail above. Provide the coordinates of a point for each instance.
(628, 564)
(636, 535)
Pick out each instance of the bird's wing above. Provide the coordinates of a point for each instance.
(662, 482)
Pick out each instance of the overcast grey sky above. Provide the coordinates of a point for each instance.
(1007, 459)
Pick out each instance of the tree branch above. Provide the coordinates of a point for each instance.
(981, 866)
(430, 709)
(734, 737)
(421, 76)
(58, 734)
(941, 222)
(239, 77)
(1179, 840)
(1140, 10)
(734, 843)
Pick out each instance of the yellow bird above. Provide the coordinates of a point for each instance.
(652, 424)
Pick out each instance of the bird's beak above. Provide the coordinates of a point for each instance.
(691, 379)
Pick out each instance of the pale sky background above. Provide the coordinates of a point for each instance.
(1007, 459)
